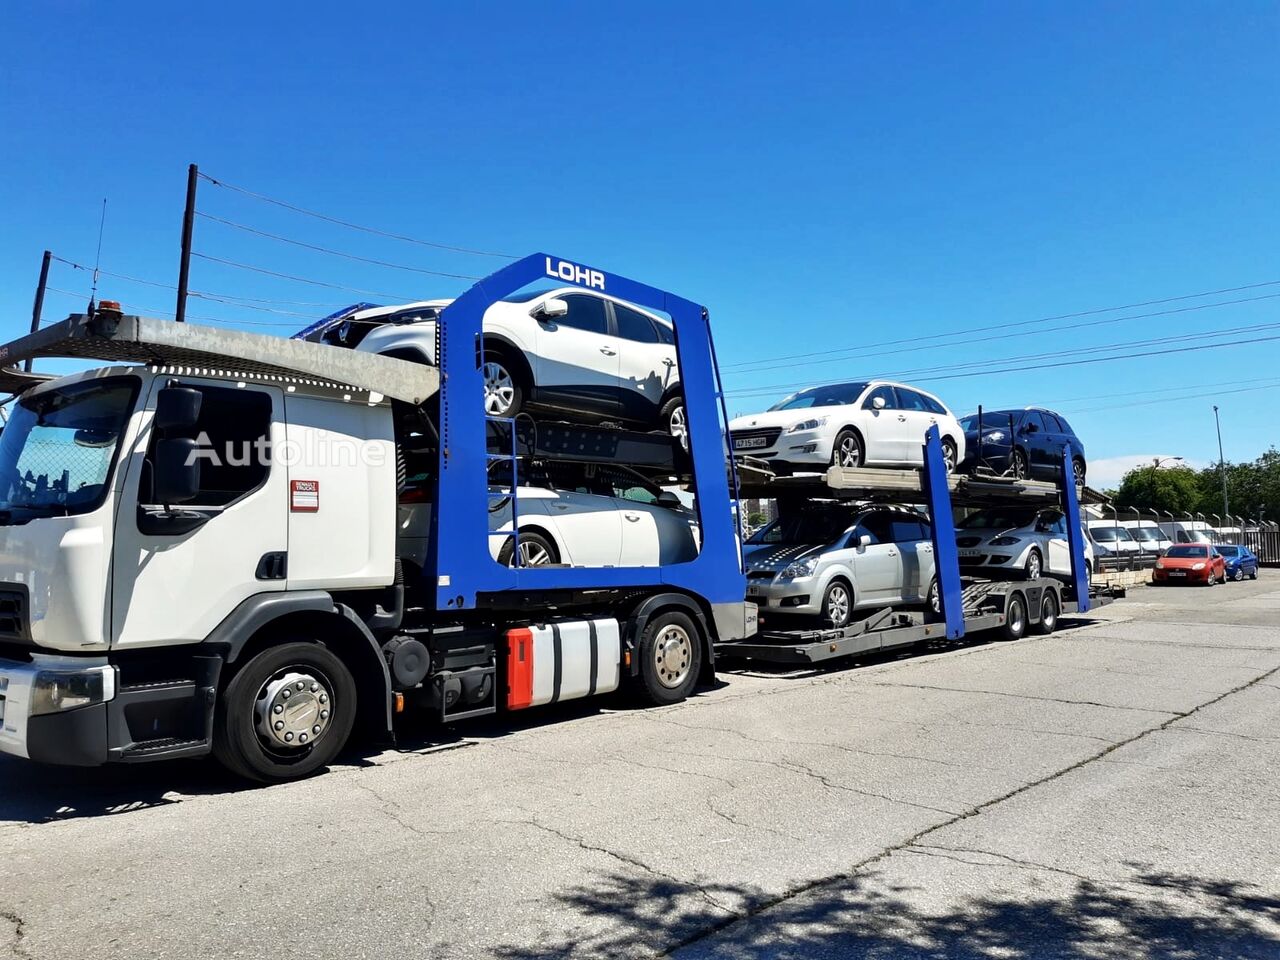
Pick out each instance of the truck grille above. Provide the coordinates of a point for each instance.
(13, 613)
(744, 441)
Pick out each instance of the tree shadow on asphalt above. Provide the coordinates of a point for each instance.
(857, 917)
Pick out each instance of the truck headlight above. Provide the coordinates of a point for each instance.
(1004, 541)
(801, 568)
(56, 690)
(812, 424)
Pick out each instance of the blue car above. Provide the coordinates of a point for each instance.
(1027, 443)
(1241, 561)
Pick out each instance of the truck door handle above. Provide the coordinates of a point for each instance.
(608, 351)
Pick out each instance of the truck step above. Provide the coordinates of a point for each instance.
(166, 748)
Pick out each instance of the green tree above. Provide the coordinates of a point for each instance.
(1175, 489)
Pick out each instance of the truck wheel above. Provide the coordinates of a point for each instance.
(1015, 618)
(1048, 613)
(286, 714)
(670, 652)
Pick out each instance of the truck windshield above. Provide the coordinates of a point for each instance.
(59, 446)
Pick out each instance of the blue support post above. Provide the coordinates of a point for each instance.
(946, 559)
(1075, 531)
(460, 566)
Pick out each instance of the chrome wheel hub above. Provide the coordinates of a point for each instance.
(499, 390)
(294, 708)
(672, 656)
(1033, 566)
(849, 452)
(838, 605)
(533, 554)
(679, 427)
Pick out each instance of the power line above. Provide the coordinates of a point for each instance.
(168, 314)
(286, 276)
(117, 276)
(353, 226)
(252, 306)
(333, 253)
(857, 354)
(772, 361)
(922, 374)
(1188, 396)
(294, 303)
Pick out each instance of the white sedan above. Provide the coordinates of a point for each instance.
(570, 352)
(640, 526)
(875, 423)
(1019, 540)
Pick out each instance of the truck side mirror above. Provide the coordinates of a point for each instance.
(177, 409)
(177, 471)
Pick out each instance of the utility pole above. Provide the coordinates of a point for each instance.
(38, 306)
(1222, 463)
(188, 222)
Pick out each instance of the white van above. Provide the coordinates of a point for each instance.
(1114, 536)
(1148, 535)
(1189, 531)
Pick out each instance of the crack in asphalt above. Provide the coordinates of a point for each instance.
(1204, 731)
(621, 858)
(845, 876)
(1024, 696)
(395, 812)
(17, 947)
(940, 852)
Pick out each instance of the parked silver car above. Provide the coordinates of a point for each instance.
(829, 559)
(1021, 541)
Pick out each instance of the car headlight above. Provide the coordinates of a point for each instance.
(995, 435)
(1159, 564)
(1004, 541)
(801, 568)
(55, 690)
(811, 424)
(1197, 566)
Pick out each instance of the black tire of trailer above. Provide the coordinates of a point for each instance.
(240, 747)
(648, 684)
(1050, 607)
(1015, 617)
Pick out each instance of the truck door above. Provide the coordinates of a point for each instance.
(175, 577)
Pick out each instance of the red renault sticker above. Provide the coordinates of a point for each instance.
(304, 496)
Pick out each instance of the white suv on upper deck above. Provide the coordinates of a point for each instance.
(871, 423)
(572, 352)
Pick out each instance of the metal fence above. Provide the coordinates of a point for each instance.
(1262, 537)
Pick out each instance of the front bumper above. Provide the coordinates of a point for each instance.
(802, 596)
(1179, 576)
(77, 736)
(807, 447)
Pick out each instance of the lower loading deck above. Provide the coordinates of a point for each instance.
(986, 607)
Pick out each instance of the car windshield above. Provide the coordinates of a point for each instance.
(1109, 534)
(1187, 551)
(1229, 551)
(1004, 519)
(1143, 534)
(990, 421)
(832, 395)
(58, 448)
(806, 526)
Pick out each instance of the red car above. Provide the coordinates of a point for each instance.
(1190, 563)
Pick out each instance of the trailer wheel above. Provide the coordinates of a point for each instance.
(1015, 618)
(1048, 613)
(286, 714)
(670, 651)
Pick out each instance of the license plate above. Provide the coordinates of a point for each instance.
(754, 592)
(749, 443)
(968, 553)
(1177, 573)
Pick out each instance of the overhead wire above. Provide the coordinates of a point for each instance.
(771, 361)
(352, 226)
(286, 276)
(334, 253)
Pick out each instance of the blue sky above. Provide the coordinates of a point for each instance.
(825, 177)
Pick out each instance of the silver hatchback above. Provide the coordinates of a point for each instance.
(829, 559)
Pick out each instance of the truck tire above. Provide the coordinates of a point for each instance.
(670, 652)
(1049, 609)
(1015, 618)
(286, 713)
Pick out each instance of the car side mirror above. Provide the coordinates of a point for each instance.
(549, 310)
(877, 402)
(864, 541)
(1029, 428)
(669, 500)
(177, 410)
(177, 471)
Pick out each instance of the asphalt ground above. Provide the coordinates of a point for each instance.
(1108, 791)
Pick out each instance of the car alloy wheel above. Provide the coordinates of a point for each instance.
(678, 426)
(837, 605)
(499, 389)
(949, 455)
(1239, 574)
(1034, 566)
(848, 450)
(1019, 465)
